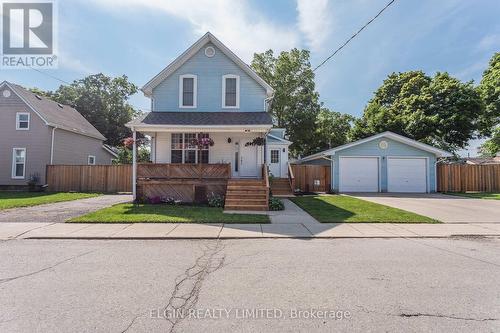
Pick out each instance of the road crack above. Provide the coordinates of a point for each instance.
(418, 314)
(188, 285)
(2, 281)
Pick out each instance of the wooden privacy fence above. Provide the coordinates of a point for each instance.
(90, 178)
(467, 177)
(312, 178)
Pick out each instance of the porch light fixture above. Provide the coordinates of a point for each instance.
(229, 140)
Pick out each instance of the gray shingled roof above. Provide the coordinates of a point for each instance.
(204, 118)
(59, 115)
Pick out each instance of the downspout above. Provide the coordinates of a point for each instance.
(52, 145)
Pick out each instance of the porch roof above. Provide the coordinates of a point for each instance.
(202, 119)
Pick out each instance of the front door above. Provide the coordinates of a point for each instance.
(275, 163)
(248, 161)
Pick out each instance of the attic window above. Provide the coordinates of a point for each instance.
(6, 93)
(210, 51)
(38, 97)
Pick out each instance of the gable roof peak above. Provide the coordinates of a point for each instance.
(208, 37)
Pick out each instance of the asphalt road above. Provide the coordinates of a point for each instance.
(394, 285)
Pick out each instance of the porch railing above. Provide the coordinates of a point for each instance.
(183, 171)
(265, 178)
(291, 177)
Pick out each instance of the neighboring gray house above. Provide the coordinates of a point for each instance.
(35, 131)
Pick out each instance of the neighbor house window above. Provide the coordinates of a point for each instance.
(22, 121)
(183, 149)
(91, 160)
(187, 91)
(231, 91)
(18, 163)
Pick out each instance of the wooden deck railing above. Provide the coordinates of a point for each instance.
(291, 177)
(183, 171)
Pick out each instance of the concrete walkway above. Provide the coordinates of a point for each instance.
(292, 214)
(61, 211)
(9, 231)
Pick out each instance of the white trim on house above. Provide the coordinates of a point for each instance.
(396, 137)
(230, 76)
(106, 148)
(147, 89)
(192, 128)
(93, 160)
(181, 90)
(13, 170)
(282, 141)
(19, 128)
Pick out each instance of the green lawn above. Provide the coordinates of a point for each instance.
(341, 208)
(130, 213)
(477, 195)
(13, 199)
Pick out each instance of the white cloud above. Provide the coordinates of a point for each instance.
(235, 23)
(70, 62)
(489, 42)
(315, 21)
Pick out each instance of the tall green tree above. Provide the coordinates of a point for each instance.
(332, 128)
(438, 110)
(492, 146)
(295, 105)
(103, 101)
(489, 89)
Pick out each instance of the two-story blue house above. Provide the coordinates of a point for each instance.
(210, 129)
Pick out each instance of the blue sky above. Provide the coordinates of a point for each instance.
(139, 38)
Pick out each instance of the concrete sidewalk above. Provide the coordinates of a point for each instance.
(20, 230)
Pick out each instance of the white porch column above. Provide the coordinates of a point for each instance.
(134, 165)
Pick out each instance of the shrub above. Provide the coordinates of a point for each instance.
(276, 204)
(215, 200)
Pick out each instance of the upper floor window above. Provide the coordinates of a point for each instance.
(187, 91)
(22, 121)
(231, 91)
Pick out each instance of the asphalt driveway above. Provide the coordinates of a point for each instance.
(61, 211)
(445, 208)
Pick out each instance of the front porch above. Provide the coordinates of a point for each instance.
(194, 183)
(197, 154)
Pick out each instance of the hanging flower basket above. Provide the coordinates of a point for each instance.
(202, 142)
(256, 142)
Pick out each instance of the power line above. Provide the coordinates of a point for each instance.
(355, 34)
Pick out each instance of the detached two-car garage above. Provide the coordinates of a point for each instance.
(386, 162)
